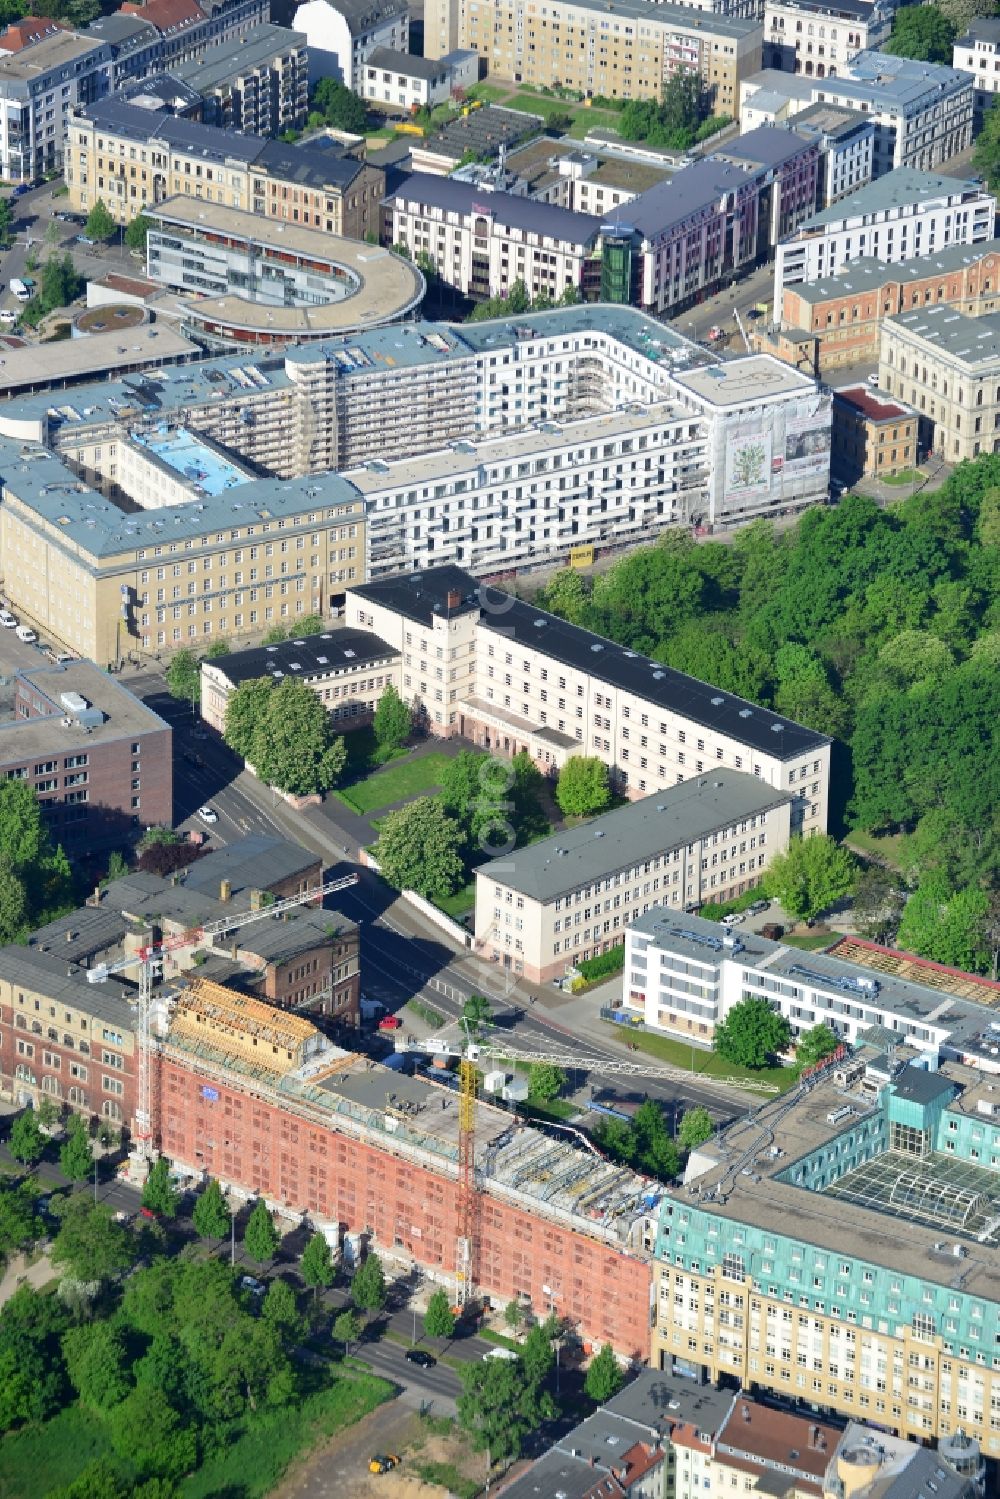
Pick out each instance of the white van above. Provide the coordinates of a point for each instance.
(8, 317)
(23, 632)
(20, 290)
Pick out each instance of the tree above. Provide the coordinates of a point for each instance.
(246, 708)
(347, 1329)
(582, 788)
(294, 747)
(13, 904)
(274, 635)
(281, 1310)
(260, 1237)
(439, 1319)
(100, 225)
(97, 1360)
(117, 866)
(184, 677)
(878, 904)
(810, 876)
(32, 1372)
(537, 1354)
(61, 283)
(986, 148)
(751, 1034)
(317, 1267)
(159, 1193)
(923, 33)
(6, 222)
(392, 722)
(946, 925)
(211, 1216)
(545, 1081)
(604, 1377)
(218, 648)
(815, 1044)
(674, 121)
(20, 1224)
(91, 1245)
(477, 1014)
(339, 106)
(147, 1432)
(513, 1315)
(22, 836)
(499, 1407)
(27, 1143)
(368, 1290)
(655, 1150)
(418, 848)
(136, 231)
(76, 1159)
(695, 1128)
(309, 624)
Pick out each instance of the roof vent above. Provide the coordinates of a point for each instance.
(599, 833)
(745, 713)
(777, 728)
(717, 702)
(597, 647)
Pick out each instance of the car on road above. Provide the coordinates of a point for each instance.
(735, 918)
(420, 1357)
(7, 620)
(390, 1023)
(208, 814)
(253, 1285)
(383, 1462)
(20, 190)
(507, 1355)
(84, 239)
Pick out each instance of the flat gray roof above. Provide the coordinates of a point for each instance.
(975, 341)
(252, 863)
(754, 377)
(868, 274)
(896, 189)
(631, 834)
(222, 64)
(125, 714)
(406, 63)
(45, 365)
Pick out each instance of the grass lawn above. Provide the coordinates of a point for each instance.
(810, 942)
(555, 1108)
(885, 849)
(395, 784)
(706, 1063)
(491, 93)
(45, 1457)
(905, 476)
(457, 905)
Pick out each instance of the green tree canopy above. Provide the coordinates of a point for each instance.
(392, 722)
(368, 1289)
(184, 677)
(477, 1014)
(604, 1377)
(32, 1371)
(674, 121)
(281, 1310)
(810, 876)
(246, 709)
(27, 1143)
(136, 231)
(317, 1267)
(922, 32)
(90, 1244)
(752, 1034)
(418, 848)
(20, 1224)
(159, 1193)
(513, 1315)
(815, 1044)
(946, 925)
(583, 787)
(347, 1328)
(100, 225)
(500, 1406)
(545, 1081)
(211, 1216)
(97, 1359)
(878, 904)
(286, 734)
(439, 1319)
(695, 1128)
(339, 106)
(260, 1237)
(13, 904)
(76, 1158)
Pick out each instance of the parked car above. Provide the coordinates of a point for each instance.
(253, 1285)
(758, 906)
(25, 633)
(148, 1213)
(8, 317)
(390, 1023)
(383, 1462)
(735, 918)
(208, 814)
(420, 1357)
(7, 620)
(506, 1354)
(20, 190)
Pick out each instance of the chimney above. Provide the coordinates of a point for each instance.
(454, 598)
(225, 890)
(256, 900)
(70, 935)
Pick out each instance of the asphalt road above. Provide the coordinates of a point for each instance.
(33, 213)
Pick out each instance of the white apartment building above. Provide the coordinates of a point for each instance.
(39, 86)
(903, 216)
(404, 81)
(481, 241)
(846, 139)
(542, 908)
(683, 975)
(817, 37)
(342, 34)
(947, 366)
(977, 51)
(480, 663)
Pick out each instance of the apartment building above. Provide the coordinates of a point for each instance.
(103, 582)
(481, 243)
(541, 909)
(854, 1265)
(620, 50)
(903, 216)
(188, 28)
(946, 365)
(265, 283)
(133, 158)
(97, 758)
(817, 37)
(846, 140)
(977, 51)
(872, 438)
(343, 34)
(41, 84)
(843, 314)
(136, 47)
(258, 88)
(404, 81)
(922, 112)
(347, 669)
(570, 691)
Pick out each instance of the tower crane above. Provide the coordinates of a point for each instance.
(469, 1053)
(148, 960)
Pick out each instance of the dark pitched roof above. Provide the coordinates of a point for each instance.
(766, 146)
(311, 656)
(686, 192)
(123, 31)
(312, 165)
(187, 135)
(519, 213)
(420, 596)
(407, 63)
(362, 15)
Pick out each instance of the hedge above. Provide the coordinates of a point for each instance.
(606, 963)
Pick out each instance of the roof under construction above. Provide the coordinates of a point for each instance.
(245, 1031)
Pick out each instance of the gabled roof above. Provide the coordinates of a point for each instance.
(168, 16)
(506, 208)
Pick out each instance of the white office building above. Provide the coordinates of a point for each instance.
(977, 51)
(817, 37)
(39, 85)
(903, 216)
(342, 34)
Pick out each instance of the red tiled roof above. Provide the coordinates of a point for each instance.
(765, 1437)
(871, 404)
(23, 33)
(166, 15)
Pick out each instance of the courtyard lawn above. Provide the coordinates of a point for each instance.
(811, 941)
(399, 783)
(460, 904)
(40, 1458)
(703, 1063)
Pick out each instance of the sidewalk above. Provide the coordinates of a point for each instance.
(19, 1273)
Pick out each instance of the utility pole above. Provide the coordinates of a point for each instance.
(232, 1241)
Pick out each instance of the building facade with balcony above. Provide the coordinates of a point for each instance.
(41, 84)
